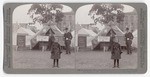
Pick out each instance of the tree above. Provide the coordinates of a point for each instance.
(104, 13)
(44, 13)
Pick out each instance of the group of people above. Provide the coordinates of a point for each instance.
(116, 48)
(116, 52)
(55, 47)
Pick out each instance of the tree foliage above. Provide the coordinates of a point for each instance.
(44, 13)
(104, 13)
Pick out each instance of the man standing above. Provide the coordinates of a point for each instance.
(128, 39)
(67, 39)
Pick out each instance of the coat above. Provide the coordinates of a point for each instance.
(67, 36)
(55, 51)
(128, 38)
(67, 39)
(116, 51)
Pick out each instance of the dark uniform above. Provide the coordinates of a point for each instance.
(67, 39)
(128, 39)
(55, 53)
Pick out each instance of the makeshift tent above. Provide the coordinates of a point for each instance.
(89, 34)
(22, 30)
(135, 39)
(74, 33)
(116, 31)
(55, 31)
(27, 33)
(99, 26)
(73, 39)
(107, 31)
(58, 34)
(45, 32)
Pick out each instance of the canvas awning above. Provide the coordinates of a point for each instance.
(107, 29)
(84, 31)
(22, 30)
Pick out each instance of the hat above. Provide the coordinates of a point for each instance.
(127, 28)
(66, 28)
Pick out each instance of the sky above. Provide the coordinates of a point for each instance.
(20, 13)
(82, 13)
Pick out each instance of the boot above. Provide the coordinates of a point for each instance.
(114, 63)
(57, 63)
(53, 63)
(118, 63)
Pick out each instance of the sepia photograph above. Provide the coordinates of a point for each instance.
(59, 36)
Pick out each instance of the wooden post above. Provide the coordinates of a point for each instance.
(43, 48)
(104, 48)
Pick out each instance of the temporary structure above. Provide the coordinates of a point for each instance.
(45, 32)
(22, 36)
(116, 31)
(107, 31)
(73, 39)
(135, 39)
(22, 30)
(58, 34)
(56, 30)
(86, 35)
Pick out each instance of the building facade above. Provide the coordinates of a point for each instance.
(67, 22)
(130, 21)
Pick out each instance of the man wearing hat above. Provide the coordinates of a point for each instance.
(128, 39)
(67, 39)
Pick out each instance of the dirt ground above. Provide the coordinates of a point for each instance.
(77, 60)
